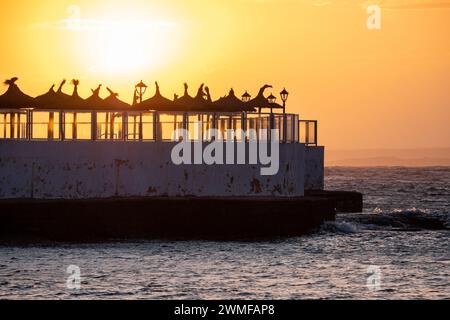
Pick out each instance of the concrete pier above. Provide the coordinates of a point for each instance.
(32, 221)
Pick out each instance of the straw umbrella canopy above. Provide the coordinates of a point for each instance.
(95, 102)
(65, 101)
(260, 101)
(58, 100)
(14, 98)
(203, 101)
(186, 102)
(75, 101)
(232, 103)
(48, 100)
(157, 102)
(114, 103)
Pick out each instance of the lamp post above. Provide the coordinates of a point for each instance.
(141, 88)
(271, 99)
(284, 96)
(245, 98)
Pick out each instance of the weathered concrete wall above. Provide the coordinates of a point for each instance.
(74, 170)
(314, 168)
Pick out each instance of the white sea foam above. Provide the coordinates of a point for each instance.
(411, 211)
(340, 227)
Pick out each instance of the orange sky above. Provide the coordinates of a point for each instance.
(369, 89)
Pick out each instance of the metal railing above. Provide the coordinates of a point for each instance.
(159, 126)
(308, 132)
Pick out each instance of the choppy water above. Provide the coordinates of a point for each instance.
(390, 246)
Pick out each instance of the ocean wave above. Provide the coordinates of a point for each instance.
(402, 219)
(339, 227)
(411, 211)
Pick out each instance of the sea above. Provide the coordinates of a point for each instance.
(398, 248)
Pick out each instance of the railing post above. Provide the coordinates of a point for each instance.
(271, 126)
(18, 125)
(316, 140)
(29, 124)
(50, 127)
(293, 128)
(307, 132)
(75, 126)
(141, 134)
(12, 122)
(62, 126)
(124, 126)
(186, 123)
(94, 126)
(244, 126)
(4, 125)
(156, 126)
(27, 127)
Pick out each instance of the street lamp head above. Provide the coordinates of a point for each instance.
(284, 95)
(272, 99)
(246, 97)
(142, 87)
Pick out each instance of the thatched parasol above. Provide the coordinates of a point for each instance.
(114, 103)
(58, 100)
(186, 102)
(260, 101)
(48, 100)
(95, 102)
(14, 98)
(157, 102)
(201, 102)
(231, 103)
(75, 100)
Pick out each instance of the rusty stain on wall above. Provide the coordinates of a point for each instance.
(255, 186)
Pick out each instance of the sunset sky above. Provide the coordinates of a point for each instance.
(387, 88)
